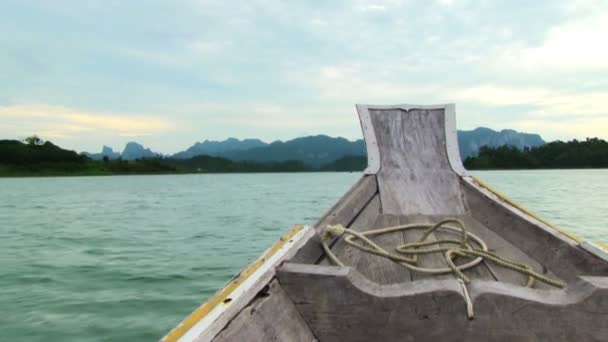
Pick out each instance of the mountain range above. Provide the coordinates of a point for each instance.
(131, 151)
(315, 150)
(218, 148)
(469, 142)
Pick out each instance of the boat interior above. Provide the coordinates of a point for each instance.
(415, 175)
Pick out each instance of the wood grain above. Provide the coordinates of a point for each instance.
(415, 176)
(505, 249)
(365, 221)
(380, 269)
(563, 257)
(343, 212)
(435, 260)
(339, 304)
(271, 317)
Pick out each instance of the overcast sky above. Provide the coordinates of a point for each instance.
(168, 73)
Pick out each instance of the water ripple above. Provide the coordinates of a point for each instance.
(126, 258)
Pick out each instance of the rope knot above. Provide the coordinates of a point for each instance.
(332, 231)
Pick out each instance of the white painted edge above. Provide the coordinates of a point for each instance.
(594, 249)
(207, 328)
(451, 140)
(369, 136)
(451, 135)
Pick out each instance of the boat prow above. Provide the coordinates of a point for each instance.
(532, 281)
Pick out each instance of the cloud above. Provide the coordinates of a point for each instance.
(564, 128)
(62, 122)
(271, 66)
(576, 44)
(548, 102)
(372, 8)
(445, 2)
(500, 95)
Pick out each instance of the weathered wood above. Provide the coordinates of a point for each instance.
(213, 316)
(343, 212)
(479, 272)
(418, 177)
(339, 304)
(434, 260)
(351, 204)
(379, 269)
(534, 238)
(365, 221)
(415, 175)
(505, 249)
(596, 249)
(270, 317)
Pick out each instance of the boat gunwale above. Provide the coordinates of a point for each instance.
(242, 287)
(599, 250)
(356, 278)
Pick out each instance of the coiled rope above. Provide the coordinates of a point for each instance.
(407, 254)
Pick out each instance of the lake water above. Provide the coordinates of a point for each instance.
(126, 258)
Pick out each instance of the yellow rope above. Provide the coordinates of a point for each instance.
(408, 253)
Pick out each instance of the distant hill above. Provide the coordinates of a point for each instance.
(106, 151)
(35, 157)
(131, 151)
(134, 151)
(40, 158)
(322, 149)
(315, 150)
(14, 152)
(218, 148)
(210, 164)
(346, 164)
(470, 142)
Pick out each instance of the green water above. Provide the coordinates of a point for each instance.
(126, 258)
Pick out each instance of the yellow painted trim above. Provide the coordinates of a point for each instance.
(603, 245)
(220, 296)
(525, 211)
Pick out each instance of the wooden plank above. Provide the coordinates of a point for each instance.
(486, 270)
(343, 212)
(537, 240)
(270, 317)
(210, 318)
(365, 221)
(340, 305)
(415, 176)
(379, 269)
(435, 260)
(503, 248)
(597, 249)
(479, 272)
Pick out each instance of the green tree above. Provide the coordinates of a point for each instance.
(590, 153)
(33, 140)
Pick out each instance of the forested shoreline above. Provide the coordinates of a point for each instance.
(34, 157)
(574, 154)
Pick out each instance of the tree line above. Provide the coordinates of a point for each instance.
(588, 153)
(36, 157)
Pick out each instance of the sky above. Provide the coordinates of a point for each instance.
(84, 73)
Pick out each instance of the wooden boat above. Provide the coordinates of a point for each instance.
(414, 176)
